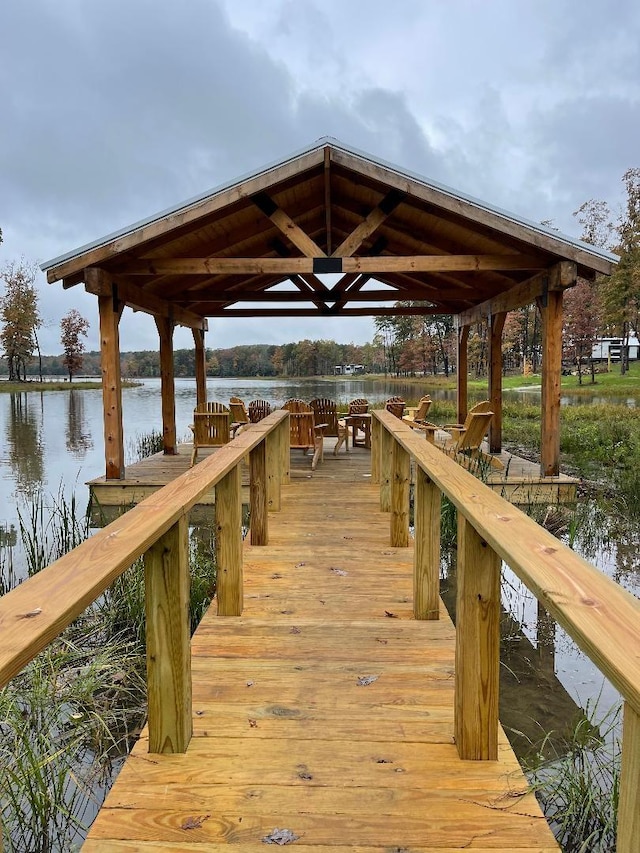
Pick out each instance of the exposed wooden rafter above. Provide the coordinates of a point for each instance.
(558, 277)
(366, 228)
(327, 198)
(287, 226)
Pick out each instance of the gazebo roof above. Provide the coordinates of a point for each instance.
(257, 247)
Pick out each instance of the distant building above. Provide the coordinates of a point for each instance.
(348, 369)
(606, 349)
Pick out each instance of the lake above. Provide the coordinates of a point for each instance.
(53, 440)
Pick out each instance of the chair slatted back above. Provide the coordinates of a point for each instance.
(359, 406)
(258, 409)
(238, 411)
(478, 426)
(422, 411)
(325, 411)
(396, 406)
(211, 424)
(301, 424)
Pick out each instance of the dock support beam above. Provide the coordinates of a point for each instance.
(167, 385)
(110, 312)
(401, 473)
(477, 646)
(426, 553)
(496, 325)
(551, 310)
(229, 544)
(201, 366)
(258, 495)
(167, 583)
(463, 372)
(629, 804)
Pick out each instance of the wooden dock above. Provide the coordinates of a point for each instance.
(325, 712)
(520, 482)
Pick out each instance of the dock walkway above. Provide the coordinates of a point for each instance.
(325, 712)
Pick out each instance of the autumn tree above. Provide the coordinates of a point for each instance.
(581, 324)
(73, 327)
(20, 316)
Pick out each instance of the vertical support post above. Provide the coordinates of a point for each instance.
(201, 366)
(285, 451)
(386, 446)
(167, 586)
(426, 554)
(629, 801)
(229, 544)
(110, 312)
(551, 311)
(496, 325)
(477, 646)
(167, 385)
(258, 494)
(401, 475)
(463, 372)
(375, 449)
(273, 470)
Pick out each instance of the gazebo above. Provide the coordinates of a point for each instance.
(390, 236)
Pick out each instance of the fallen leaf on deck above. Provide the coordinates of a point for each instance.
(380, 640)
(295, 630)
(275, 577)
(390, 614)
(303, 773)
(384, 761)
(280, 836)
(199, 713)
(337, 571)
(253, 724)
(365, 680)
(195, 822)
(300, 564)
(249, 683)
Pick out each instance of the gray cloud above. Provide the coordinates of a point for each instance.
(114, 111)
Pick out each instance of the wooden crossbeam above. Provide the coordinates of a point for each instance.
(558, 277)
(322, 264)
(377, 311)
(308, 296)
(366, 228)
(287, 226)
(97, 283)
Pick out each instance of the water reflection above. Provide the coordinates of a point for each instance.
(78, 437)
(24, 441)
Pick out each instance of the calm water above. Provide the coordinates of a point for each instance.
(53, 440)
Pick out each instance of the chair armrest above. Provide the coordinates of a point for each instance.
(453, 426)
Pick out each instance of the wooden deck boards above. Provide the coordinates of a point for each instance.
(285, 736)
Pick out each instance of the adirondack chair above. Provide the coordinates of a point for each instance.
(456, 429)
(325, 411)
(211, 427)
(258, 409)
(359, 419)
(465, 445)
(396, 406)
(304, 433)
(416, 417)
(239, 415)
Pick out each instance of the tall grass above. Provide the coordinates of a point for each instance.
(579, 788)
(71, 715)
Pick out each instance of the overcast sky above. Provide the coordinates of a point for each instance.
(112, 111)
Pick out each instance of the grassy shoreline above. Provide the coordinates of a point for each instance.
(34, 385)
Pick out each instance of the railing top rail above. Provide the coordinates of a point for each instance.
(34, 613)
(601, 616)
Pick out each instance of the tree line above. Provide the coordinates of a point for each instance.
(402, 345)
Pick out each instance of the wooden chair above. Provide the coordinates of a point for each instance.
(304, 433)
(418, 413)
(464, 446)
(325, 411)
(396, 406)
(239, 415)
(359, 419)
(456, 429)
(211, 427)
(258, 409)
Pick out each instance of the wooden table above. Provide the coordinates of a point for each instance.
(359, 423)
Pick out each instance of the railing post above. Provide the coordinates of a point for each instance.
(285, 451)
(629, 801)
(375, 449)
(258, 494)
(229, 544)
(401, 474)
(274, 474)
(426, 553)
(167, 585)
(477, 646)
(386, 440)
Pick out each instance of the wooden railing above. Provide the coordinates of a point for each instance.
(38, 610)
(602, 617)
